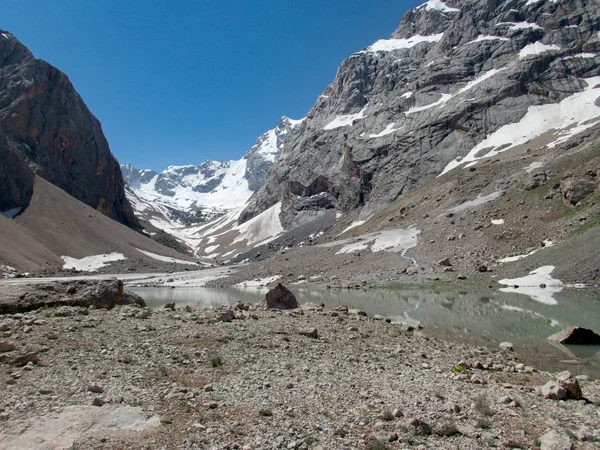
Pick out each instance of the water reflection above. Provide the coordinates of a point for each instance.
(486, 313)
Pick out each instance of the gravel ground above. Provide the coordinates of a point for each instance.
(301, 379)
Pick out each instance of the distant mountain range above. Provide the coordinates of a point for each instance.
(185, 196)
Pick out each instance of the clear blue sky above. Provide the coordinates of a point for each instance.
(180, 81)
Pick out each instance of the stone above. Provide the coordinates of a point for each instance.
(555, 440)
(226, 315)
(570, 383)
(420, 428)
(98, 401)
(312, 333)
(281, 297)
(575, 336)
(575, 190)
(170, 306)
(25, 359)
(554, 391)
(6, 346)
(95, 389)
(445, 262)
(507, 346)
(357, 312)
(143, 314)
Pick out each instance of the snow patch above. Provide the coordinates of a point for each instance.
(514, 26)
(518, 257)
(355, 224)
(91, 263)
(261, 229)
(576, 111)
(259, 282)
(438, 5)
(530, 285)
(479, 79)
(167, 258)
(581, 55)
(345, 120)
(534, 166)
(482, 38)
(480, 200)
(388, 45)
(497, 221)
(536, 48)
(415, 109)
(395, 240)
(388, 130)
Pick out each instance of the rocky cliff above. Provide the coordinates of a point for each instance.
(457, 82)
(46, 129)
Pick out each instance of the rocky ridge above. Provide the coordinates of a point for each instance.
(444, 91)
(47, 130)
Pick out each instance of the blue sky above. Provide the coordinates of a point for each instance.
(179, 82)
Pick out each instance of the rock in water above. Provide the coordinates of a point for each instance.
(575, 336)
(281, 297)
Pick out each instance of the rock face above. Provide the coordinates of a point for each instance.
(46, 129)
(444, 91)
(193, 194)
(281, 297)
(575, 336)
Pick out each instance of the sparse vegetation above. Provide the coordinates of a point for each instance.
(216, 361)
(482, 405)
(377, 444)
(459, 369)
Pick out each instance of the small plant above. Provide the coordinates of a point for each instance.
(377, 444)
(216, 361)
(482, 405)
(387, 415)
(484, 424)
(459, 369)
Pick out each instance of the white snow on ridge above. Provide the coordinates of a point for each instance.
(415, 109)
(581, 55)
(437, 5)
(482, 38)
(536, 48)
(91, 263)
(513, 26)
(530, 285)
(388, 45)
(577, 110)
(355, 224)
(519, 257)
(345, 120)
(167, 258)
(479, 79)
(389, 129)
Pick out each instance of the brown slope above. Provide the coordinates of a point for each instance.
(57, 224)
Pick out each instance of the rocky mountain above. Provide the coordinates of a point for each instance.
(458, 83)
(47, 130)
(181, 197)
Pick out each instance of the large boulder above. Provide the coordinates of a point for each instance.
(575, 190)
(281, 297)
(575, 336)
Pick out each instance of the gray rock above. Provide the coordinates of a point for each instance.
(570, 383)
(6, 346)
(507, 346)
(555, 440)
(575, 190)
(226, 315)
(312, 333)
(419, 427)
(445, 262)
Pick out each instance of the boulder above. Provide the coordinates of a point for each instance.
(575, 190)
(131, 298)
(570, 384)
(554, 391)
(507, 346)
(575, 336)
(281, 297)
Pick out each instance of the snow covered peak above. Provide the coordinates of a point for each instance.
(437, 5)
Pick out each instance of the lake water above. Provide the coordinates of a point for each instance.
(480, 316)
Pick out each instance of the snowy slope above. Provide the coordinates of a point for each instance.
(183, 200)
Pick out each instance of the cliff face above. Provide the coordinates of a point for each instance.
(456, 82)
(48, 130)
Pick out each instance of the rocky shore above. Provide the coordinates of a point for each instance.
(246, 377)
